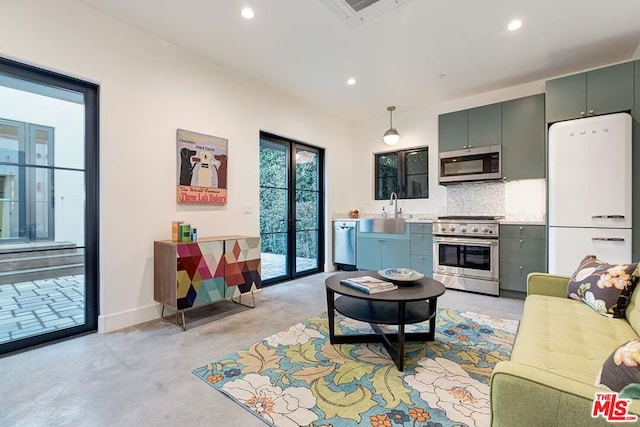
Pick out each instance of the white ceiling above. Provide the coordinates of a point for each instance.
(302, 48)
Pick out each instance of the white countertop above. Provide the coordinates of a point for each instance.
(521, 222)
(419, 219)
(428, 218)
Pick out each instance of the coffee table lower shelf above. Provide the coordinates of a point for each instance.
(376, 313)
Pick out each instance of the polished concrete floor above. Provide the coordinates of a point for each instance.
(141, 376)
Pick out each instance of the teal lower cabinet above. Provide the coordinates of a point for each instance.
(513, 277)
(422, 248)
(522, 251)
(376, 251)
(423, 264)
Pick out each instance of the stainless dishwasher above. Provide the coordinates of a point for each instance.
(344, 245)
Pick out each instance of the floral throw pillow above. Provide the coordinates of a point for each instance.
(622, 368)
(604, 287)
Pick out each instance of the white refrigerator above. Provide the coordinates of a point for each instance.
(589, 184)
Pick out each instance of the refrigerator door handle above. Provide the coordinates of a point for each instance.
(608, 239)
(608, 216)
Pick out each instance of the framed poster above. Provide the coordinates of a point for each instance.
(202, 168)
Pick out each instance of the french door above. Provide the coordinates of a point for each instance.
(291, 208)
(26, 193)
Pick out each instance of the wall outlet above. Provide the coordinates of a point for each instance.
(246, 209)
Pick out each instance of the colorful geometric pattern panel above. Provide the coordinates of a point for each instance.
(243, 263)
(200, 273)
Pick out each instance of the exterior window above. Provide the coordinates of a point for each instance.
(406, 172)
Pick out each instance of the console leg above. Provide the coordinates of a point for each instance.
(253, 300)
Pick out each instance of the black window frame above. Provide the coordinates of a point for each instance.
(91, 98)
(401, 178)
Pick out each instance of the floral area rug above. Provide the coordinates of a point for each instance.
(297, 378)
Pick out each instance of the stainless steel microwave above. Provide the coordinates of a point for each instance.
(471, 164)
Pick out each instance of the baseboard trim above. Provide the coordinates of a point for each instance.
(124, 319)
(328, 268)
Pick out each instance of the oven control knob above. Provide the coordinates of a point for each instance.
(474, 229)
(452, 228)
(443, 228)
(463, 230)
(485, 230)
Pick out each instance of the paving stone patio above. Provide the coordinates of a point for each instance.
(273, 265)
(39, 306)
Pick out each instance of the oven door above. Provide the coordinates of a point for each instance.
(466, 257)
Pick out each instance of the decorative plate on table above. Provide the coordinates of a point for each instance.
(401, 274)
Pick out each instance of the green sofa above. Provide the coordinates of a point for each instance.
(559, 349)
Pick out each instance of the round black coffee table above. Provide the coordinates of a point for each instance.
(412, 302)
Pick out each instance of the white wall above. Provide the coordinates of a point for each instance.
(148, 89)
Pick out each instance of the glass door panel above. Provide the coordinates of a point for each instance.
(274, 209)
(48, 273)
(12, 180)
(306, 209)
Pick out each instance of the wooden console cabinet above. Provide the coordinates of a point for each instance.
(191, 274)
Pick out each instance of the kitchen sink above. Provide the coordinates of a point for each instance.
(382, 225)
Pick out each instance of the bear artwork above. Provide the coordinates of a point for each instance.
(202, 168)
(186, 168)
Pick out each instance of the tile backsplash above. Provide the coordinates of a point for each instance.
(482, 198)
(513, 200)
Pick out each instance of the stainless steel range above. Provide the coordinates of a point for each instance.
(466, 253)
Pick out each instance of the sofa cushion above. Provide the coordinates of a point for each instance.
(633, 311)
(622, 367)
(566, 337)
(604, 287)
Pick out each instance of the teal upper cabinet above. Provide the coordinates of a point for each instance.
(566, 98)
(485, 126)
(477, 127)
(523, 136)
(453, 131)
(602, 91)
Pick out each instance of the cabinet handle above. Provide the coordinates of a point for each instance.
(521, 267)
(582, 113)
(607, 216)
(590, 111)
(608, 239)
(421, 257)
(504, 178)
(464, 146)
(469, 146)
(521, 242)
(521, 228)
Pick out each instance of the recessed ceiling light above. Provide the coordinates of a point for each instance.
(442, 75)
(514, 25)
(247, 13)
(351, 81)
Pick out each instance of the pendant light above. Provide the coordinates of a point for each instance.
(391, 137)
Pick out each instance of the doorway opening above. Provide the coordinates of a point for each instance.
(48, 206)
(291, 208)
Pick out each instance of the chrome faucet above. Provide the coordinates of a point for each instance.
(393, 197)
